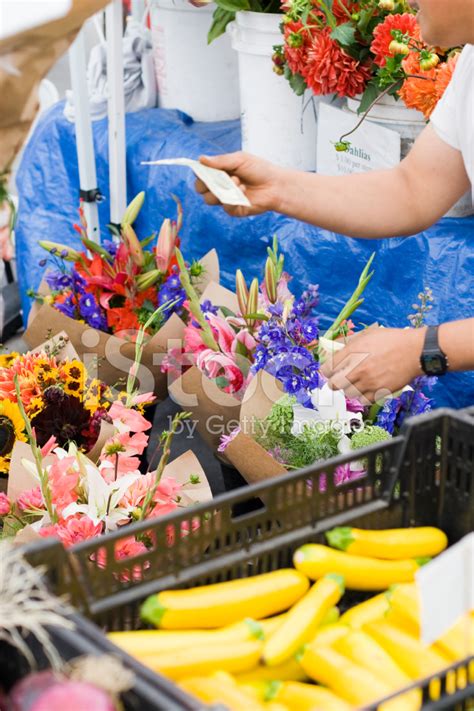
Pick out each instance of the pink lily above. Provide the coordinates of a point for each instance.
(166, 245)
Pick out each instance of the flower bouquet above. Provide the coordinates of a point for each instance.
(363, 49)
(103, 297)
(52, 387)
(244, 361)
(251, 346)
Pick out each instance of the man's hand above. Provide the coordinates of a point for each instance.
(257, 178)
(376, 362)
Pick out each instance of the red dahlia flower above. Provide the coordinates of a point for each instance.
(296, 56)
(329, 70)
(405, 23)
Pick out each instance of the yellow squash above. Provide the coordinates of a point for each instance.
(303, 620)
(350, 681)
(308, 697)
(371, 609)
(391, 544)
(329, 635)
(289, 671)
(233, 657)
(458, 642)
(416, 659)
(220, 689)
(142, 643)
(221, 604)
(361, 648)
(359, 573)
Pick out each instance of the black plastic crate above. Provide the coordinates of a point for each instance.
(423, 477)
(149, 693)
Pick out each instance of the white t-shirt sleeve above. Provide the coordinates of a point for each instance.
(444, 118)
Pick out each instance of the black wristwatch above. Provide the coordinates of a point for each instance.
(433, 360)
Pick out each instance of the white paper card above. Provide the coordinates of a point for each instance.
(218, 181)
(446, 587)
(373, 147)
(20, 15)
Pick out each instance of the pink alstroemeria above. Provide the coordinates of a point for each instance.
(5, 504)
(125, 419)
(31, 500)
(73, 530)
(166, 245)
(49, 447)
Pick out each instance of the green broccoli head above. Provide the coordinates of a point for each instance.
(371, 434)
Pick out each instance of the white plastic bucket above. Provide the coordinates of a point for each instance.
(193, 76)
(409, 123)
(276, 124)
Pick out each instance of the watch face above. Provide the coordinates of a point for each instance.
(434, 364)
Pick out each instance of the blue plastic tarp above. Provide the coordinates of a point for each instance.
(48, 183)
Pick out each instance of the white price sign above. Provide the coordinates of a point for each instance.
(372, 147)
(446, 587)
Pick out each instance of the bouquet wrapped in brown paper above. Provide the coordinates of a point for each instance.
(255, 386)
(53, 389)
(103, 298)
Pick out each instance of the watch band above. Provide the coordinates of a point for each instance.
(431, 340)
(433, 360)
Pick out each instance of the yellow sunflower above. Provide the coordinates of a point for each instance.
(75, 378)
(6, 359)
(12, 427)
(93, 396)
(46, 372)
(35, 406)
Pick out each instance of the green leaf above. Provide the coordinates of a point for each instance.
(221, 19)
(233, 5)
(344, 34)
(297, 83)
(368, 97)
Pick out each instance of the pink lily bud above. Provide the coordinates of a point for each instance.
(166, 245)
(252, 302)
(242, 291)
(270, 281)
(133, 244)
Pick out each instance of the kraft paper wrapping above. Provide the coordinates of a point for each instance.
(109, 357)
(31, 54)
(181, 469)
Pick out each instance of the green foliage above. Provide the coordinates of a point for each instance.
(294, 451)
(345, 35)
(372, 434)
(220, 20)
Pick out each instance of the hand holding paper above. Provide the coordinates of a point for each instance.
(217, 181)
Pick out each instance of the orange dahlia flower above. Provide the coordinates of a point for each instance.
(405, 23)
(424, 94)
(330, 70)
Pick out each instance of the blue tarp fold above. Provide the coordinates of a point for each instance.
(48, 181)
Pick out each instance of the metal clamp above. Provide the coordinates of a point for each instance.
(93, 195)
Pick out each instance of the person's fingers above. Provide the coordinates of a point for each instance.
(239, 184)
(228, 162)
(201, 187)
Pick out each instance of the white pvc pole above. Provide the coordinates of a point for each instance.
(84, 139)
(117, 154)
(138, 9)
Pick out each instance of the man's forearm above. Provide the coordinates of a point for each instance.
(456, 339)
(390, 203)
(366, 205)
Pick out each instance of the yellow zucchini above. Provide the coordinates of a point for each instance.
(405, 601)
(221, 604)
(359, 573)
(391, 544)
(303, 620)
(366, 611)
(191, 661)
(350, 681)
(458, 642)
(217, 689)
(145, 642)
(416, 659)
(308, 697)
(361, 648)
(329, 635)
(289, 671)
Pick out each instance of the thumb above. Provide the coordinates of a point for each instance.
(228, 162)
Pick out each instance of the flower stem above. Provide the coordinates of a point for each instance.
(38, 457)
